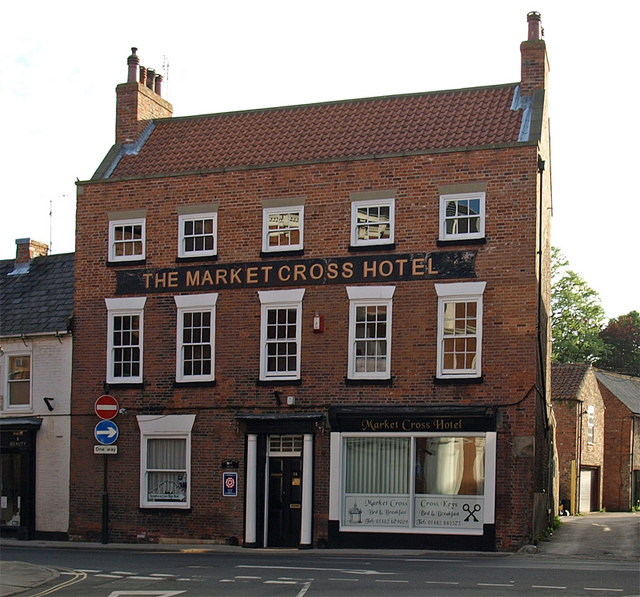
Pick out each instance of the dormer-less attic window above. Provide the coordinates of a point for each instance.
(372, 218)
(127, 236)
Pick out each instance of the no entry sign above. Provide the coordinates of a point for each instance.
(106, 407)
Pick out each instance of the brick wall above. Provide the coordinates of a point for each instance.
(617, 458)
(507, 262)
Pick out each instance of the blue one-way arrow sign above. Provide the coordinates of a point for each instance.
(106, 432)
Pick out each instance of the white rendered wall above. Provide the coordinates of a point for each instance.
(50, 377)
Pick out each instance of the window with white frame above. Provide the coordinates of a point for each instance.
(18, 386)
(459, 329)
(127, 239)
(165, 460)
(372, 221)
(370, 331)
(125, 339)
(462, 216)
(282, 226)
(280, 333)
(197, 234)
(591, 424)
(415, 482)
(195, 337)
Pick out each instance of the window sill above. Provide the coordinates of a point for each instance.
(196, 258)
(279, 382)
(283, 253)
(124, 385)
(361, 381)
(458, 381)
(376, 247)
(461, 241)
(194, 384)
(126, 263)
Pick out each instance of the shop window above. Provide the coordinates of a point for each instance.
(165, 461)
(18, 382)
(195, 337)
(415, 483)
(462, 216)
(459, 330)
(370, 309)
(197, 234)
(372, 221)
(125, 339)
(280, 334)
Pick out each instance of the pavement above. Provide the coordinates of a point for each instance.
(598, 535)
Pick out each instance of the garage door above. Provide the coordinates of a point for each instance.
(588, 485)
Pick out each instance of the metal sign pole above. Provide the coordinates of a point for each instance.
(105, 504)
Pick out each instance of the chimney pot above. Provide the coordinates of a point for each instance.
(158, 85)
(151, 76)
(143, 75)
(535, 31)
(133, 62)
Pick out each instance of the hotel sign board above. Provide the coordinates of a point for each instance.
(359, 269)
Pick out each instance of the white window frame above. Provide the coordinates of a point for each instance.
(113, 224)
(183, 219)
(591, 424)
(118, 307)
(164, 427)
(481, 196)
(337, 485)
(267, 211)
(365, 296)
(8, 355)
(459, 292)
(195, 303)
(355, 205)
(280, 299)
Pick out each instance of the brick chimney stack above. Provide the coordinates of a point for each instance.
(27, 249)
(533, 53)
(138, 101)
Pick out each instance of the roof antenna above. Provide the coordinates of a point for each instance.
(50, 230)
(165, 70)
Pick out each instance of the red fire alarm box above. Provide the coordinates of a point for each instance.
(318, 323)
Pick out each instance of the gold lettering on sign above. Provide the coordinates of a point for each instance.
(193, 278)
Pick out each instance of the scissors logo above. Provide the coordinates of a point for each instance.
(472, 513)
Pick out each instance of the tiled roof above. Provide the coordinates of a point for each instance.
(39, 300)
(567, 379)
(625, 388)
(463, 118)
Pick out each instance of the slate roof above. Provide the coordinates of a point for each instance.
(567, 380)
(350, 129)
(625, 388)
(39, 300)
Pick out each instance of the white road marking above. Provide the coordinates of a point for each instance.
(547, 587)
(343, 570)
(602, 589)
(345, 579)
(109, 575)
(441, 582)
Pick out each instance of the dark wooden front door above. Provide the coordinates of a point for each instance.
(285, 502)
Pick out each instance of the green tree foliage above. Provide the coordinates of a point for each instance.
(577, 315)
(622, 340)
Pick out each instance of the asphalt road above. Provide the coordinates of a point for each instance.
(597, 554)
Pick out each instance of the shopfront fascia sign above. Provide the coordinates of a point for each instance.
(359, 269)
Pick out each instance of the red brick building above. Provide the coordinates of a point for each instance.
(580, 435)
(621, 396)
(325, 324)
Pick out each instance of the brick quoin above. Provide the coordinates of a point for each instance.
(513, 386)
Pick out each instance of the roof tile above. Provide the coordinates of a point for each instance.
(335, 130)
